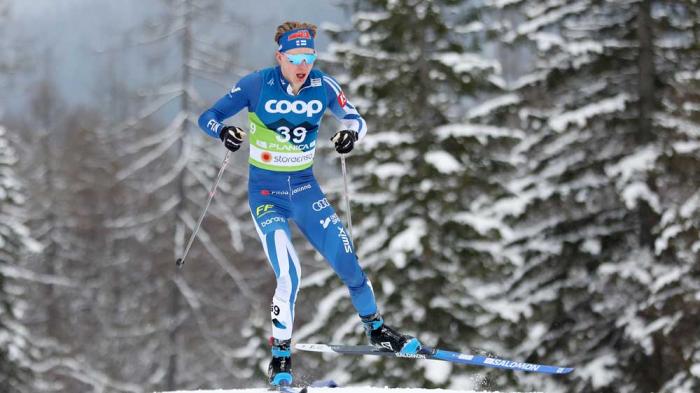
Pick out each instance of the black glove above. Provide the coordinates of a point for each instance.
(344, 141)
(232, 137)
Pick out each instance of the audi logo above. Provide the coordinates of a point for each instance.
(320, 205)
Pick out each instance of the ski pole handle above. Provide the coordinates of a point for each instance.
(347, 197)
(181, 261)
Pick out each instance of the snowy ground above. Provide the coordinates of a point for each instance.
(357, 389)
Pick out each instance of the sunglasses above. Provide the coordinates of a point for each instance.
(299, 58)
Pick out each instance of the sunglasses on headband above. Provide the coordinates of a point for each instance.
(299, 58)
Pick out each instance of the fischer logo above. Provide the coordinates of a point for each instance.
(346, 241)
(512, 364)
(320, 205)
(300, 107)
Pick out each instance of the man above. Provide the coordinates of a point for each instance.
(285, 106)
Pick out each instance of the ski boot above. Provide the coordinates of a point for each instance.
(383, 336)
(279, 371)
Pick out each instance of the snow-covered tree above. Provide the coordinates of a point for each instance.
(15, 243)
(421, 182)
(604, 211)
(172, 166)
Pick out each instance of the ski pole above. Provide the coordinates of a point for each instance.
(181, 261)
(347, 198)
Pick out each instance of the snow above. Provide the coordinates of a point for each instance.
(640, 161)
(546, 40)
(684, 126)
(479, 131)
(690, 206)
(641, 332)
(386, 138)
(695, 370)
(481, 223)
(541, 21)
(467, 62)
(581, 115)
(390, 169)
(600, 370)
(491, 105)
(357, 389)
(443, 162)
(407, 240)
(639, 190)
(671, 276)
(625, 172)
(473, 27)
(437, 371)
(501, 3)
(592, 246)
(661, 242)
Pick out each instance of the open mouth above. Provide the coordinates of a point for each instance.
(301, 76)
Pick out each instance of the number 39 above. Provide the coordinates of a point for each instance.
(286, 134)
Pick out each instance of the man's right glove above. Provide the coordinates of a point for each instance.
(232, 137)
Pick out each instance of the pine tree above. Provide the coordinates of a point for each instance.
(15, 243)
(421, 182)
(672, 311)
(172, 166)
(599, 195)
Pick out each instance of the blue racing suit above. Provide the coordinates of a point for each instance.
(283, 129)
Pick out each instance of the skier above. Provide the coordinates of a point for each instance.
(285, 106)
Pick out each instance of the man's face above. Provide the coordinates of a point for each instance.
(296, 74)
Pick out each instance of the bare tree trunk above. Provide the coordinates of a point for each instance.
(176, 303)
(647, 218)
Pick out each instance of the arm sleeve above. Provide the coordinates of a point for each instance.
(241, 95)
(342, 109)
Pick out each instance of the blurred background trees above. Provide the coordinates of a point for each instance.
(528, 188)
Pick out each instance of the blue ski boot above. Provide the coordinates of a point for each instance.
(279, 371)
(383, 336)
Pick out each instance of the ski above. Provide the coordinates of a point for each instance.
(289, 389)
(437, 354)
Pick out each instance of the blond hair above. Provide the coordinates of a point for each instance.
(292, 25)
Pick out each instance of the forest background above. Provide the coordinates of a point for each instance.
(529, 186)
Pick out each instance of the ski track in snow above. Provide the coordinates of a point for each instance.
(357, 389)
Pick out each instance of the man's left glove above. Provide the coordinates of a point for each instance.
(344, 141)
(232, 137)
